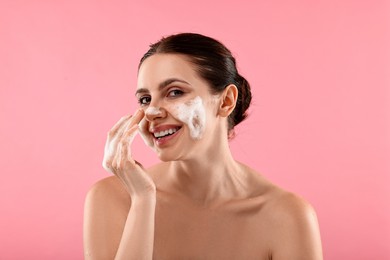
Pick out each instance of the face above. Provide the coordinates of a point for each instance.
(180, 111)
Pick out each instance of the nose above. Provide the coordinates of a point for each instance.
(153, 113)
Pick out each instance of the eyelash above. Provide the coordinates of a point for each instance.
(141, 100)
(145, 100)
(177, 91)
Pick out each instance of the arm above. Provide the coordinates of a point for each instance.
(114, 229)
(105, 211)
(138, 235)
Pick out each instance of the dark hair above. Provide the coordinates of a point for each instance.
(215, 64)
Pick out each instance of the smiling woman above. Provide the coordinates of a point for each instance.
(199, 202)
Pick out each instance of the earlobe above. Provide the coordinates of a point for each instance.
(228, 100)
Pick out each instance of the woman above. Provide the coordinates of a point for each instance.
(198, 203)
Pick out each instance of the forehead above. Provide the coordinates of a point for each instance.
(160, 67)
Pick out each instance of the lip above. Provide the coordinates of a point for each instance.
(160, 128)
(164, 140)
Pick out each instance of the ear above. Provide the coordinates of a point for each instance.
(228, 100)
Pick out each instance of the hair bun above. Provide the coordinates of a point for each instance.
(244, 100)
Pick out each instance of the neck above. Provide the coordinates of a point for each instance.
(211, 178)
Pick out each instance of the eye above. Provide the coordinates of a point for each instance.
(175, 93)
(144, 100)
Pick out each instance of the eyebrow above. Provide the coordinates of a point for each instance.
(162, 85)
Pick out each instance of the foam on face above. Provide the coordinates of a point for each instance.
(154, 111)
(193, 114)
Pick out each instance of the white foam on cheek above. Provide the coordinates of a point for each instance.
(144, 132)
(193, 114)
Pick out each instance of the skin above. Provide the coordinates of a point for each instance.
(198, 203)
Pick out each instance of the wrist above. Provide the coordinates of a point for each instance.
(149, 199)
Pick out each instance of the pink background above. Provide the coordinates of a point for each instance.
(319, 124)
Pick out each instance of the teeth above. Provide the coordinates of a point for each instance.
(164, 133)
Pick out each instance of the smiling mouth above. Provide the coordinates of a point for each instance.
(165, 133)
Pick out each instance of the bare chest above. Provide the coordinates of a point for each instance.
(230, 232)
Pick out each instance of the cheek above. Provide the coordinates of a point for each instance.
(196, 122)
(193, 114)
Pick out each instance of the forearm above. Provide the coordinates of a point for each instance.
(138, 234)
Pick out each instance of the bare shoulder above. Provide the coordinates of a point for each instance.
(109, 192)
(293, 226)
(287, 206)
(281, 207)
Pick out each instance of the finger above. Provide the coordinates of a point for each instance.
(112, 140)
(125, 126)
(107, 166)
(119, 125)
(121, 136)
(113, 147)
(134, 121)
(129, 136)
(144, 132)
(139, 164)
(123, 152)
(138, 115)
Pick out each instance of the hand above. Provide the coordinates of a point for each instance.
(118, 160)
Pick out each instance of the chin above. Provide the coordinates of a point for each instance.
(167, 156)
(164, 158)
